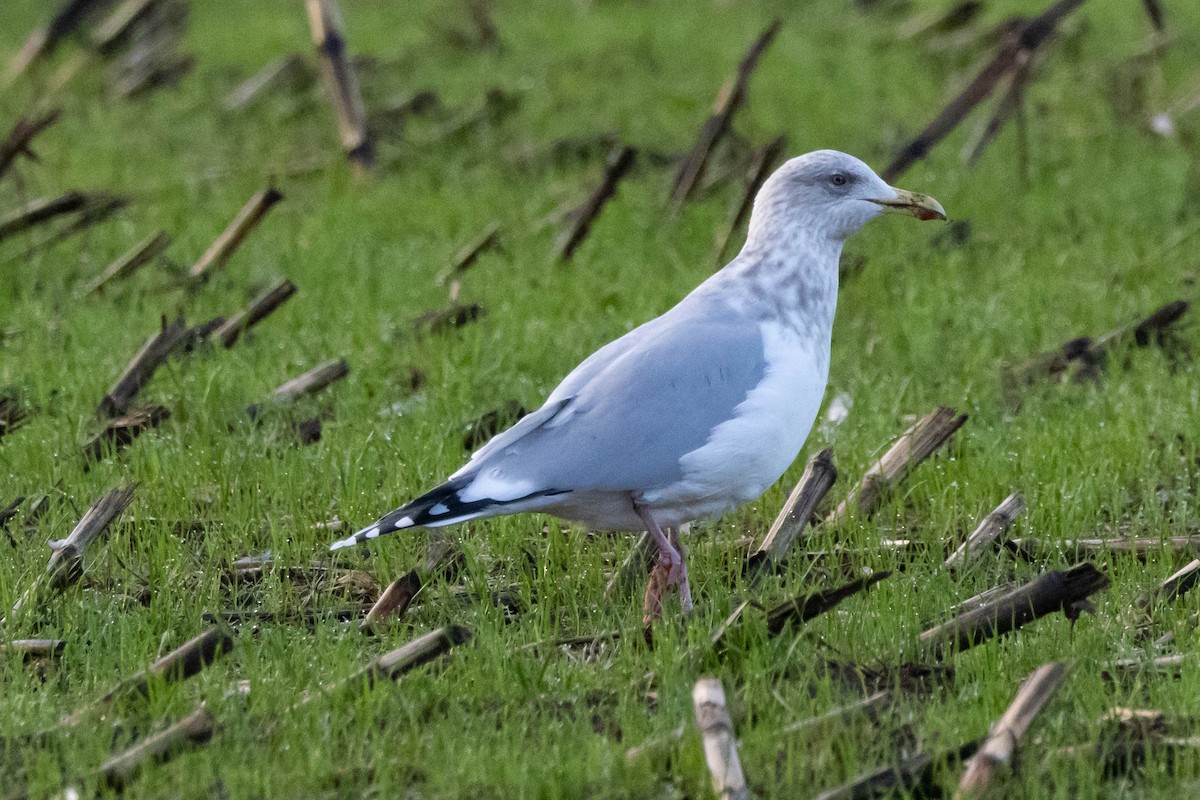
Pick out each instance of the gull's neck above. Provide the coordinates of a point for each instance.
(787, 272)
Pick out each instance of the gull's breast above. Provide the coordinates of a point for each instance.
(747, 453)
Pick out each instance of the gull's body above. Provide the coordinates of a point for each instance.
(699, 410)
(724, 374)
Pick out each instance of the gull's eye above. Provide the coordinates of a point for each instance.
(839, 179)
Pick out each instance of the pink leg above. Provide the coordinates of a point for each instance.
(668, 572)
(685, 588)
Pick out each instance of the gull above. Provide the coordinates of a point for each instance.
(696, 411)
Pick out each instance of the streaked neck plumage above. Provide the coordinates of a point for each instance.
(788, 270)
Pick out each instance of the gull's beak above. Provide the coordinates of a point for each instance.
(921, 206)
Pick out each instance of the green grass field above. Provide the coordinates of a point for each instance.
(1099, 234)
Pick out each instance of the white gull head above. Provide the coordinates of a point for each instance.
(829, 195)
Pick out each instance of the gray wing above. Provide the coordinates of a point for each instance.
(624, 417)
(565, 392)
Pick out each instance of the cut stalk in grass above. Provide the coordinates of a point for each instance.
(470, 253)
(914, 446)
(446, 319)
(1151, 329)
(761, 166)
(388, 121)
(496, 105)
(111, 33)
(716, 733)
(808, 606)
(36, 212)
(443, 556)
(308, 431)
(479, 430)
(185, 661)
(819, 476)
(341, 83)
(1157, 15)
(316, 379)
(983, 598)
(1131, 738)
(41, 42)
(259, 309)
(13, 413)
(290, 70)
(9, 511)
(1130, 668)
(906, 775)
(196, 728)
(79, 62)
(1050, 364)
(19, 139)
(868, 705)
(119, 432)
(1139, 547)
(167, 70)
(66, 561)
(1028, 39)
(152, 59)
(34, 648)
(98, 208)
(1053, 591)
(1010, 105)
(731, 97)
(590, 640)
(141, 368)
(506, 597)
(619, 163)
(199, 335)
(586, 642)
(395, 663)
(393, 601)
(37, 510)
(1000, 747)
(717, 640)
(1171, 589)
(307, 618)
(139, 256)
(798, 609)
(1083, 357)
(636, 753)
(1127, 736)
(255, 568)
(1140, 717)
(989, 530)
(484, 33)
(940, 22)
(232, 237)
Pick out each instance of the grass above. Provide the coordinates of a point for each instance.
(1095, 237)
